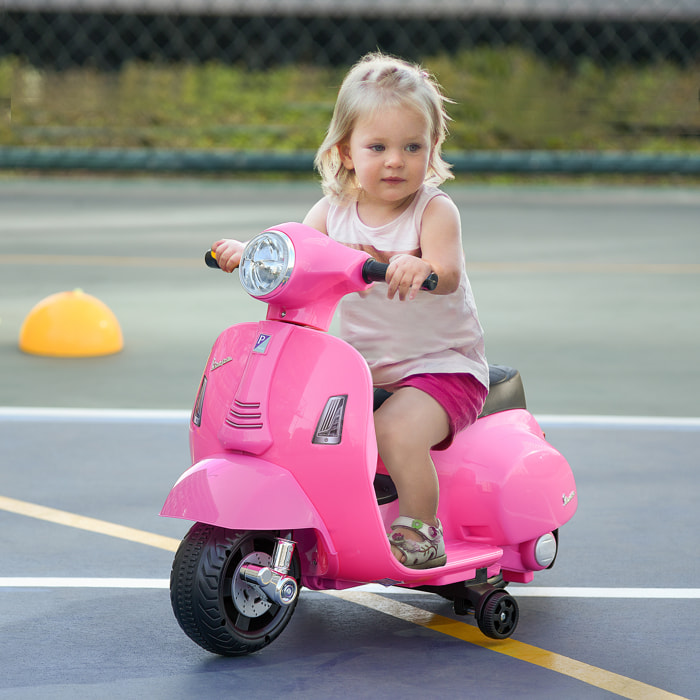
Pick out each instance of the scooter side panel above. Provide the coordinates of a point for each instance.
(502, 483)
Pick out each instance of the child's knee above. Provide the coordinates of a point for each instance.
(396, 440)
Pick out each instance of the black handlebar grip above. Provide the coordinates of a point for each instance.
(373, 271)
(431, 281)
(210, 260)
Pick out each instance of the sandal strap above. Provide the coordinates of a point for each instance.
(422, 554)
(426, 531)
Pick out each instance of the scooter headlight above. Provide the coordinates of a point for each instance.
(267, 263)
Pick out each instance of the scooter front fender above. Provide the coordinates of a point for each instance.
(241, 492)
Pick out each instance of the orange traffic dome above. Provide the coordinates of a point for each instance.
(71, 324)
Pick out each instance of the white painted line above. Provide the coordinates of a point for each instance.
(516, 590)
(524, 591)
(634, 422)
(648, 593)
(135, 415)
(106, 415)
(53, 582)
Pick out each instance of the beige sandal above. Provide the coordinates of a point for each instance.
(425, 554)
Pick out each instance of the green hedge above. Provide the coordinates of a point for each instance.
(504, 100)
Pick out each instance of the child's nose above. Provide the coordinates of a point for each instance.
(394, 158)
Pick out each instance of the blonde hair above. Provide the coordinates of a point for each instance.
(374, 82)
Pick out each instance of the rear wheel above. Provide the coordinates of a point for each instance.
(498, 616)
(212, 604)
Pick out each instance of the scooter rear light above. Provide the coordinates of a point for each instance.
(546, 550)
(540, 553)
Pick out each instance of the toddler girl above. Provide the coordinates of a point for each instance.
(380, 165)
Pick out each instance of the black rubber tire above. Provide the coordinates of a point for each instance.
(200, 591)
(499, 615)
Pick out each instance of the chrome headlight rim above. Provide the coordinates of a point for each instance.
(267, 263)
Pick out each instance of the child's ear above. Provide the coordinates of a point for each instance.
(345, 157)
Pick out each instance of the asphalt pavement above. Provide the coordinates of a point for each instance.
(591, 292)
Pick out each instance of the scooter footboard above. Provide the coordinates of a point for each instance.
(229, 490)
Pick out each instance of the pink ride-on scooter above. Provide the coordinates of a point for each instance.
(286, 488)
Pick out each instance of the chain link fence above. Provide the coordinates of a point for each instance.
(260, 75)
(107, 33)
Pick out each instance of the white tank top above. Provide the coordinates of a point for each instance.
(429, 334)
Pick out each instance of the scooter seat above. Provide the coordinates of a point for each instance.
(505, 392)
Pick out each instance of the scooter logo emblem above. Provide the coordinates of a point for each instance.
(567, 499)
(261, 343)
(220, 363)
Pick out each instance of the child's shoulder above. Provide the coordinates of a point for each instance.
(437, 200)
(440, 212)
(318, 215)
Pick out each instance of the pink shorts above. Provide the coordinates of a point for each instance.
(461, 395)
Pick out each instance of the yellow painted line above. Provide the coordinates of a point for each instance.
(598, 677)
(101, 260)
(62, 517)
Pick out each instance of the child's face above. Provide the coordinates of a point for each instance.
(389, 152)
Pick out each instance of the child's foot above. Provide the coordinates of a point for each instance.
(417, 545)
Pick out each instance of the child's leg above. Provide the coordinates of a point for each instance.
(408, 424)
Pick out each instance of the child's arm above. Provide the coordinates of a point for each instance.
(316, 218)
(228, 253)
(441, 252)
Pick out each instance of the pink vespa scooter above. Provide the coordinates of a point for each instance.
(286, 488)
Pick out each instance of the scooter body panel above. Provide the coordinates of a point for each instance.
(502, 483)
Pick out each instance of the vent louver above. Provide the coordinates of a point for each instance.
(245, 416)
(329, 430)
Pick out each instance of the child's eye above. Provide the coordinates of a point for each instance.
(376, 147)
(413, 147)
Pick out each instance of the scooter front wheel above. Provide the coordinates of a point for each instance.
(211, 604)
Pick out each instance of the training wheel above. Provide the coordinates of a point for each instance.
(498, 616)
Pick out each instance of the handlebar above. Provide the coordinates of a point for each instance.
(373, 271)
(210, 259)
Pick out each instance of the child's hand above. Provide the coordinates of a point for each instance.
(228, 253)
(405, 275)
